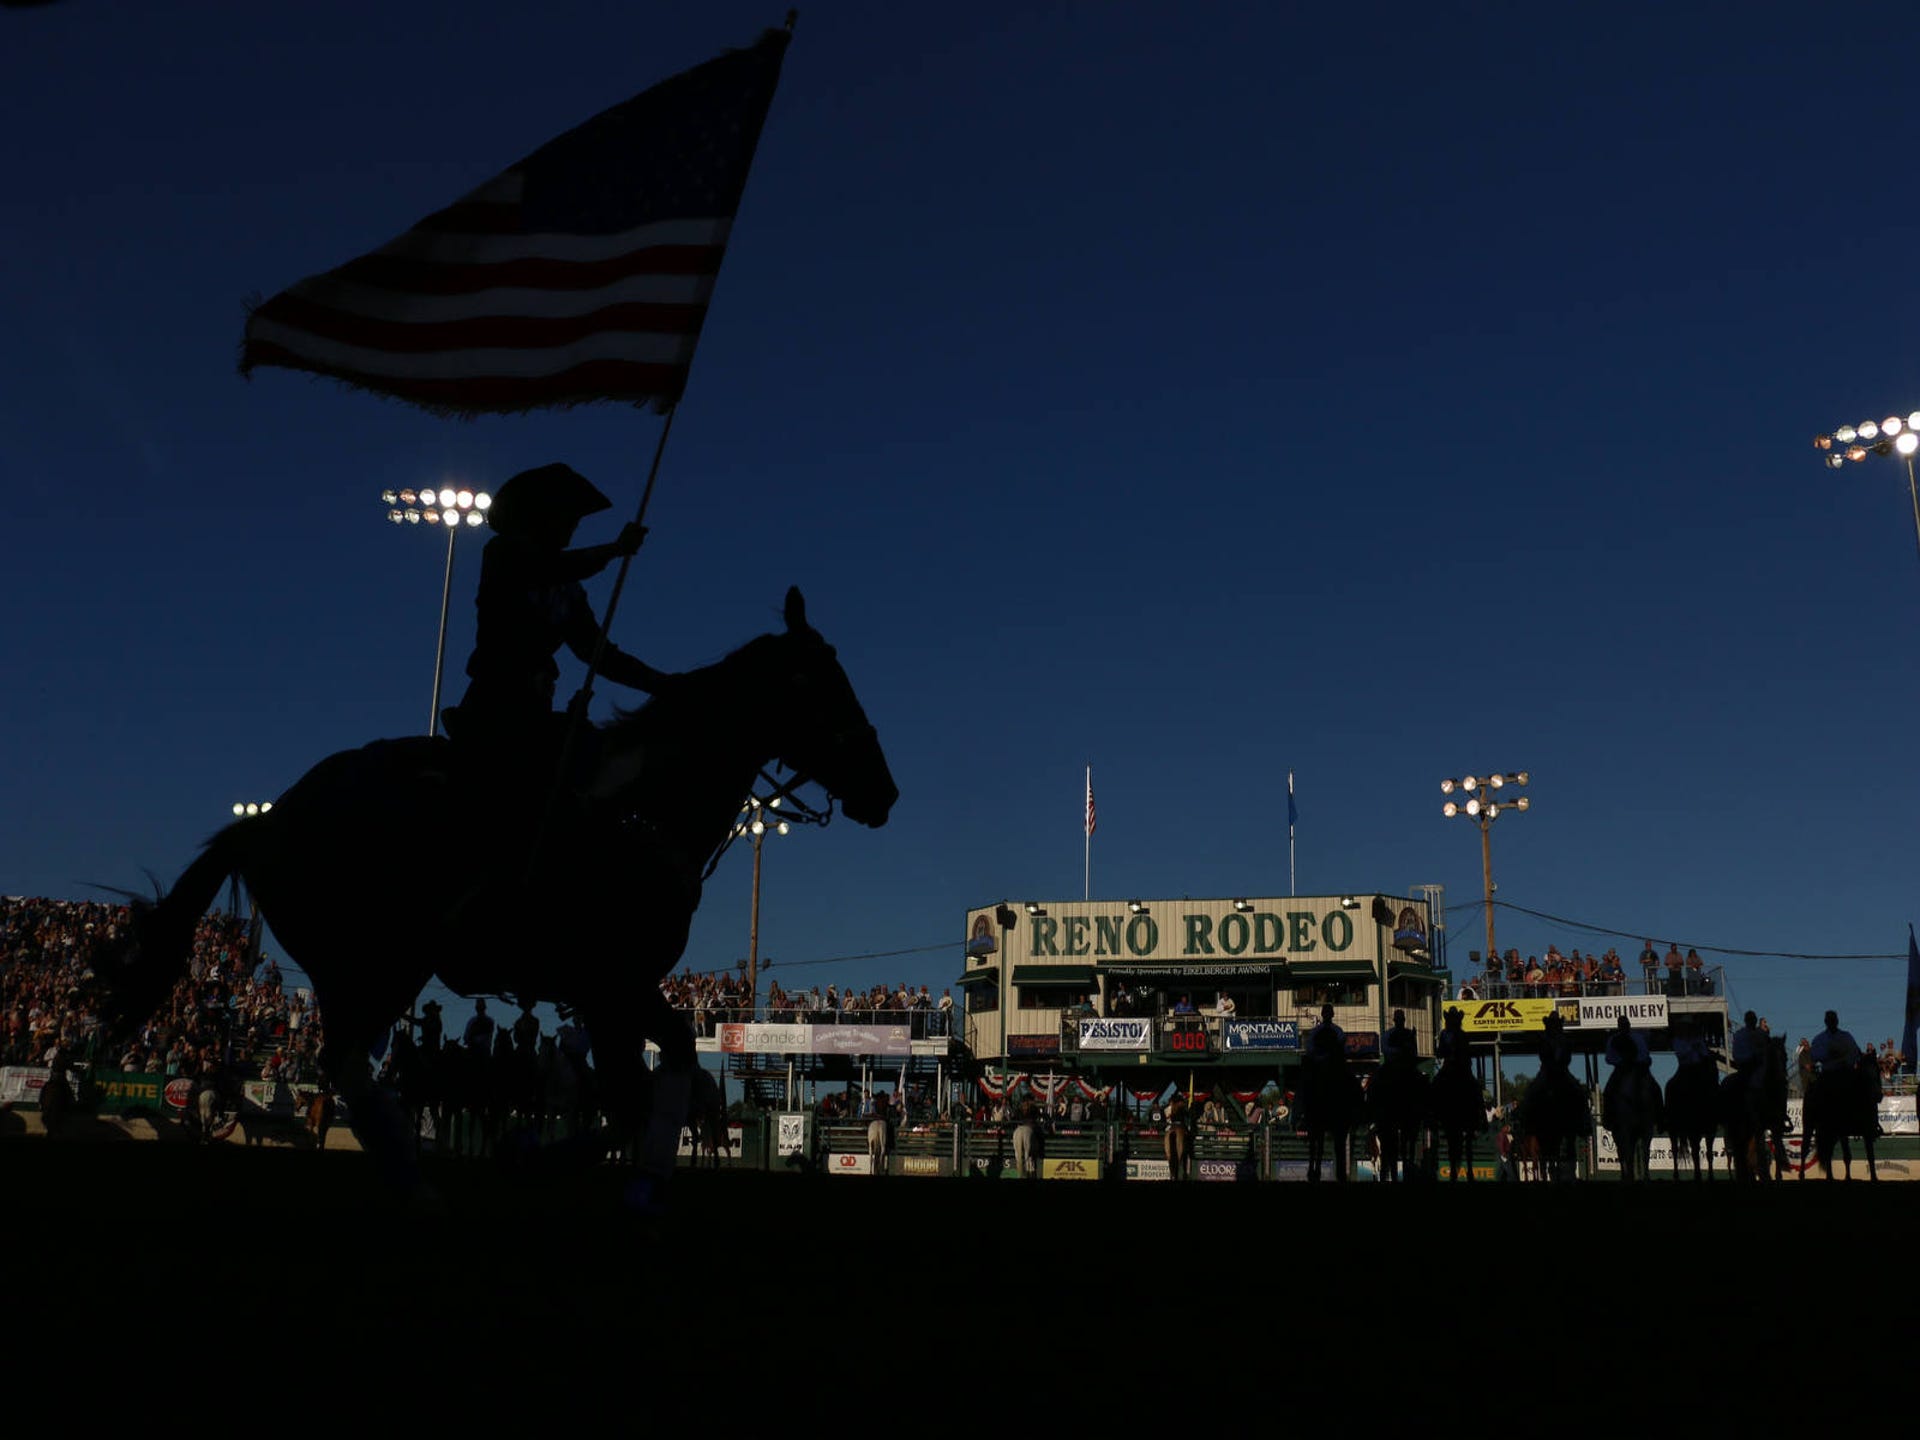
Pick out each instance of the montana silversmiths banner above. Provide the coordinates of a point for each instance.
(1131, 1033)
(1261, 1034)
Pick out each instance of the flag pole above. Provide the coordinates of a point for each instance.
(583, 697)
(1086, 891)
(577, 707)
(1292, 815)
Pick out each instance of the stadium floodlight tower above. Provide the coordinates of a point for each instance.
(757, 820)
(1895, 435)
(244, 810)
(451, 509)
(1484, 804)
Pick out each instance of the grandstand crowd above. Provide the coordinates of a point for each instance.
(226, 1011)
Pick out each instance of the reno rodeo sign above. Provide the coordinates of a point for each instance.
(1291, 931)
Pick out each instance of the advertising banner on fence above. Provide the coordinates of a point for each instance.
(791, 1137)
(765, 1039)
(20, 1084)
(122, 1090)
(736, 1138)
(1116, 1034)
(1261, 1034)
(1487, 1016)
(1643, 1012)
(1070, 1169)
(1149, 1170)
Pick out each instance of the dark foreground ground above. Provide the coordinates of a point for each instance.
(754, 1274)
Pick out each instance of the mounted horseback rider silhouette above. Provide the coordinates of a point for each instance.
(507, 736)
(1330, 1096)
(1554, 1109)
(1631, 1106)
(1693, 1099)
(1396, 1100)
(606, 916)
(1743, 1101)
(1456, 1099)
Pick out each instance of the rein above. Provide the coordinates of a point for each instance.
(779, 793)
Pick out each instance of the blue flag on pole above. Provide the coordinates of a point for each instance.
(1293, 812)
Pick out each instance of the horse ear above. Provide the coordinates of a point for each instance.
(796, 609)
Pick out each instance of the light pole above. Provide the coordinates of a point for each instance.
(758, 821)
(1891, 436)
(1482, 809)
(244, 810)
(449, 509)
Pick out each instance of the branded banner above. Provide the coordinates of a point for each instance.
(1070, 1169)
(1261, 1034)
(850, 1164)
(1486, 1016)
(1149, 1170)
(1218, 1169)
(1116, 1034)
(1643, 1012)
(919, 1165)
(768, 1039)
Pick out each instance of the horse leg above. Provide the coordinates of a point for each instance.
(375, 1116)
(674, 1085)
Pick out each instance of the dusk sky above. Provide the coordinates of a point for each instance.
(1198, 392)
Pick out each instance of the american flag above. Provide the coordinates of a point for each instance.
(582, 273)
(1089, 802)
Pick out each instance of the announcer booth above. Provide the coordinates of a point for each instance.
(1152, 994)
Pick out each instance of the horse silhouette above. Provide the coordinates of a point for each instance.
(1552, 1118)
(1775, 1123)
(590, 916)
(1396, 1103)
(1457, 1108)
(1330, 1105)
(1631, 1111)
(1845, 1103)
(1693, 1111)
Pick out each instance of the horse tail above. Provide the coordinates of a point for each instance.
(143, 968)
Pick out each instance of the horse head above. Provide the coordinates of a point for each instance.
(827, 737)
(696, 747)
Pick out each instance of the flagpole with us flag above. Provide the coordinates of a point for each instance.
(582, 273)
(1087, 888)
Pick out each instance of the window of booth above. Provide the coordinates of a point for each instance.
(983, 996)
(1330, 992)
(1053, 997)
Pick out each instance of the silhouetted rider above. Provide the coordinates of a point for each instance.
(530, 603)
